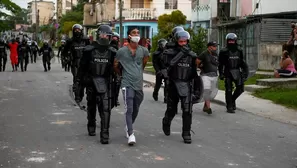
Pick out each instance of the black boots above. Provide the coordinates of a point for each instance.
(187, 137)
(92, 129)
(104, 134)
(166, 126)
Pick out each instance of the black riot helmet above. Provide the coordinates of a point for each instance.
(231, 39)
(175, 30)
(162, 43)
(182, 35)
(17, 39)
(24, 41)
(115, 34)
(45, 43)
(104, 34)
(77, 31)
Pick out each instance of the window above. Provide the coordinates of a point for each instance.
(170, 4)
(137, 3)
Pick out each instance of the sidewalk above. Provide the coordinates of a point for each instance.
(248, 103)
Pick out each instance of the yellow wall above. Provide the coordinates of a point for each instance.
(147, 3)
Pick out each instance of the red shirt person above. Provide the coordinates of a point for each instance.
(13, 54)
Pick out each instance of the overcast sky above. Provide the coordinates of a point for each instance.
(24, 3)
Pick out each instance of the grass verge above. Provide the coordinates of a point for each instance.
(149, 67)
(251, 81)
(283, 96)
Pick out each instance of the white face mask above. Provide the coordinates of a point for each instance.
(135, 39)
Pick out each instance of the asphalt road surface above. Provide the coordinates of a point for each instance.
(40, 127)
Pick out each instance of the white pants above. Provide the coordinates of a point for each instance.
(210, 87)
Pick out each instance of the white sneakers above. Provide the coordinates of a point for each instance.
(131, 138)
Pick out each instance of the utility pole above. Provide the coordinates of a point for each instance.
(121, 21)
(36, 20)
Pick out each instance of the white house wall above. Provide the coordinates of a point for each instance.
(275, 6)
(159, 5)
(207, 9)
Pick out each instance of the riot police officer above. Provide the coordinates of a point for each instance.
(61, 48)
(96, 68)
(76, 45)
(115, 40)
(35, 51)
(3, 54)
(23, 52)
(233, 69)
(181, 63)
(160, 71)
(46, 51)
(115, 44)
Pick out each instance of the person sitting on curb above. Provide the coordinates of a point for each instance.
(287, 67)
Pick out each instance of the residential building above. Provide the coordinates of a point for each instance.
(67, 5)
(144, 14)
(262, 27)
(64, 5)
(96, 13)
(45, 12)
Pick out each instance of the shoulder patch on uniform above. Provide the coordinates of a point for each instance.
(193, 54)
(88, 48)
(112, 49)
(224, 49)
(157, 52)
(169, 51)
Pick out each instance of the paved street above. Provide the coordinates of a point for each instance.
(40, 127)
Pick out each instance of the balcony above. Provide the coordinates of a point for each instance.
(139, 14)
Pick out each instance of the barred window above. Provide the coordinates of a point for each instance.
(170, 4)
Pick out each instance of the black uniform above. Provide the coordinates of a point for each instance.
(233, 69)
(46, 51)
(76, 45)
(17, 39)
(60, 51)
(3, 54)
(23, 54)
(115, 45)
(96, 73)
(35, 50)
(181, 69)
(160, 70)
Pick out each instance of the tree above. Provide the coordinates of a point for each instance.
(19, 17)
(6, 24)
(10, 6)
(167, 22)
(72, 17)
(198, 40)
(67, 26)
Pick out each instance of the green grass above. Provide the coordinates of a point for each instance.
(149, 67)
(251, 81)
(263, 70)
(283, 96)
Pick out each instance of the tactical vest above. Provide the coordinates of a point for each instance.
(77, 49)
(101, 63)
(46, 51)
(234, 60)
(23, 50)
(34, 48)
(183, 69)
